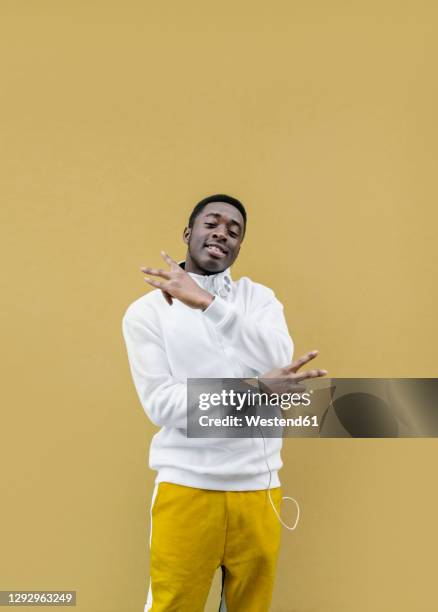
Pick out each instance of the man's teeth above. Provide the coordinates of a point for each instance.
(215, 249)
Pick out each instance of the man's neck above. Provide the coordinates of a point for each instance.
(188, 266)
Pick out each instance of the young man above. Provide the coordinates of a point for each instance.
(209, 506)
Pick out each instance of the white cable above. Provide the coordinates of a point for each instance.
(284, 497)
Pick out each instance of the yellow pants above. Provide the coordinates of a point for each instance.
(195, 531)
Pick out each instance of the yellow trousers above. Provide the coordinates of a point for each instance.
(195, 531)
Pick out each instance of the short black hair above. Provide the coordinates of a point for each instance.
(219, 197)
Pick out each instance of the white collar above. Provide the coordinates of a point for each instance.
(218, 284)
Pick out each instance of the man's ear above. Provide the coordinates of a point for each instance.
(186, 234)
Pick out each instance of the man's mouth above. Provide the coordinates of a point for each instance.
(216, 250)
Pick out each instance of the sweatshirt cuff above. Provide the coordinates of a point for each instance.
(217, 311)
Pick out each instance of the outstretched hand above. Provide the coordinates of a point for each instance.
(287, 378)
(178, 284)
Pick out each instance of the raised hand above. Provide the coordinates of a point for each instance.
(178, 284)
(287, 378)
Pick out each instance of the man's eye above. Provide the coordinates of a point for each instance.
(233, 234)
(210, 225)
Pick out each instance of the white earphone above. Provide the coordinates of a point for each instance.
(284, 497)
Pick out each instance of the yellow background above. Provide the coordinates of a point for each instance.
(116, 118)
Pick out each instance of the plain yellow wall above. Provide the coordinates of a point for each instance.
(116, 118)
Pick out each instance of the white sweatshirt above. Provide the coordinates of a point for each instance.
(242, 334)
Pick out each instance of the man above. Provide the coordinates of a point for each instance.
(209, 505)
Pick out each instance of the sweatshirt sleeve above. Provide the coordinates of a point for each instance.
(163, 398)
(260, 336)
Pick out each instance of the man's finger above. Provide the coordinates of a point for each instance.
(155, 283)
(156, 272)
(300, 362)
(309, 374)
(167, 297)
(168, 259)
(295, 387)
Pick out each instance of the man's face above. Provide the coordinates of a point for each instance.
(214, 240)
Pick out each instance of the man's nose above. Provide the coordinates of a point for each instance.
(219, 233)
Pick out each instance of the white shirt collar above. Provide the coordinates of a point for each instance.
(219, 284)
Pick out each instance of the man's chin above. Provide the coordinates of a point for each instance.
(213, 266)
